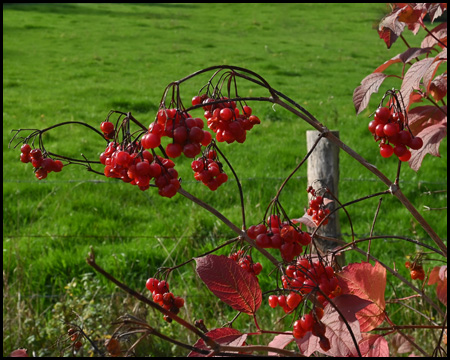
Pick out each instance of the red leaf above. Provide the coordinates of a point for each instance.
(390, 28)
(337, 331)
(305, 219)
(439, 32)
(373, 345)
(230, 283)
(423, 116)
(369, 283)
(19, 353)
(404, 57)
(400, 345)
(223, 336)
(280, 341)
(431, 137)
(439, 275)
(369, 85)
(412, 78)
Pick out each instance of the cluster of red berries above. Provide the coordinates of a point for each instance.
(416, 270)
(226, 120)
(43, 166)
(311, 322)
(165, 298)
(187, 133)
(137, 167)
(317, 208)
(305, 276)
(389, 128)
(208, 170)
(246, 262)
(75, 336)
(277, 235)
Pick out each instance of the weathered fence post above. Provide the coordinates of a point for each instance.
(323, 171)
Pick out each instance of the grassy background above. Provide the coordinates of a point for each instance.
(67, 62)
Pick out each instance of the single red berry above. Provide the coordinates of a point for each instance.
(150, 141)
(25, 148)
(293, 300)
(107, 127)
(382, 115)
(196, 100)
(406, 156)
(306, 322)
(386, 150)
(416, 143)
(273, 301)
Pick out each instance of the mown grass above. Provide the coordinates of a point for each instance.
(65, 62)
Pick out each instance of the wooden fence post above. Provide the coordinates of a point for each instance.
(323, 171)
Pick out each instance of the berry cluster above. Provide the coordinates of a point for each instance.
(246, 262)
(137, 167)
(317, 208)
(301, 279)
(43, 165)
(162, 296)
(187, 133)
(75, 337)
(416, 270)
(226, 120)
(311, 322)
(389, 128)
(283, 236)
(209, 171)
(305, 276)
(107, 128)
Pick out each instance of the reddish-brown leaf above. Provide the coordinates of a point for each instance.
(423, 116)
(370, 84)
(369, 283)
(439, 275)
(431, 136)
(411, 80)
(404, 57)
(280, 341)
(373, 345)
(439, 33)
(390, 28)
(400, 345)
(223, 336)
(230, 283)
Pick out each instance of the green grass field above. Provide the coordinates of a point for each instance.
(76, 62)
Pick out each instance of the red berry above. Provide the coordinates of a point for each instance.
(174, 150)
(247, 110)
(163, 287)
(150, 141)
(400, 150)
(406, 156)
(152, 284)
(25, 148)
(382, 115)
(386, 150)
(306, 322)
(293, 300)
(273, 301)
(390, 129)
(196, 100)
(107, 127)
(226, 114)
(416, 143)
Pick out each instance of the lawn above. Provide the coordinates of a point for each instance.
(76, 62)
